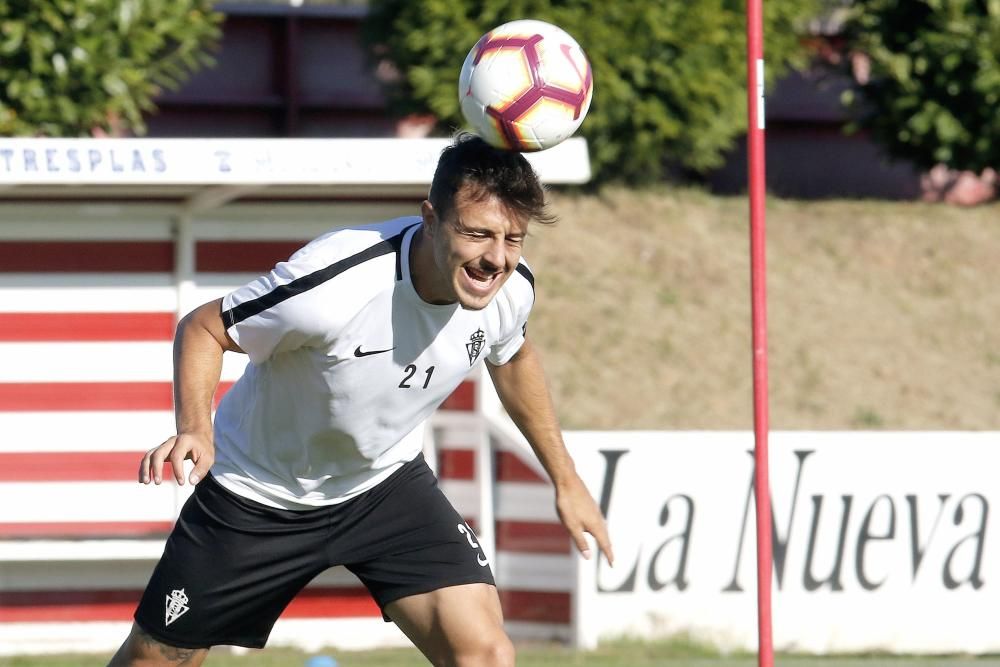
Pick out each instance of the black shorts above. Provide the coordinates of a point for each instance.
(232, 565)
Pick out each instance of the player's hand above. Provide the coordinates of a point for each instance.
(580, 514)
(197, 447)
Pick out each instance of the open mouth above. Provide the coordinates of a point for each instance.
(479, 279)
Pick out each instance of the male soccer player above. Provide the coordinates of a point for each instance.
(315, 456)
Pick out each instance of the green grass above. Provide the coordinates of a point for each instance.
(677, 652)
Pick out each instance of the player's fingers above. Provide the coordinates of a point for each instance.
(161, 455)
(177, 456)
(144, 467)
(149, 468)
(604, 544)
(581, 542)
(202, 464)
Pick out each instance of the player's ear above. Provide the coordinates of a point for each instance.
(429, 216)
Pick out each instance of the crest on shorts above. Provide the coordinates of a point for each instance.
(475, 345)
(177, 605)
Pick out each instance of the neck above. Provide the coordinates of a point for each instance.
(423, 269)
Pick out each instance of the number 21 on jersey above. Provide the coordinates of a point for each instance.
(410, 371)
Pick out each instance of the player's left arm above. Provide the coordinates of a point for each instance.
(524, 393)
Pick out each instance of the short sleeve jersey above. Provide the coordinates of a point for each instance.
(347, 361)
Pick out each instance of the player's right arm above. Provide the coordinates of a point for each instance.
(199, 344)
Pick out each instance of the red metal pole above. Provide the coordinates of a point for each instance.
(758, 288)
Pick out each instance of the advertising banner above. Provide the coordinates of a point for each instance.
(251, 161)
(882, 541)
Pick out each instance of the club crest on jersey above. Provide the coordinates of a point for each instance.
(475, 345)
(177, 605)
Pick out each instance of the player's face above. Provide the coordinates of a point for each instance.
(476, 248)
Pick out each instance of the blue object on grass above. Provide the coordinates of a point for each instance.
(321, 661)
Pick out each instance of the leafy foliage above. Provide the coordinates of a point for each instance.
(68, 67)
(934, 84)
(670, 77)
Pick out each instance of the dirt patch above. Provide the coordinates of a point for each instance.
(881, 315)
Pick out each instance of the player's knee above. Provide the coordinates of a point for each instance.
(141, 650)
(502, 653)
(495, 651)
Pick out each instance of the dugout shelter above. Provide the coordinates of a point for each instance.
(104, 244)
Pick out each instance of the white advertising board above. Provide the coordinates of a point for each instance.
(251, 161)
(882, 541)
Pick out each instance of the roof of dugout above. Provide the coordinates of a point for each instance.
(202, 174)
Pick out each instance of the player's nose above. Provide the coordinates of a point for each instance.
(495, 255)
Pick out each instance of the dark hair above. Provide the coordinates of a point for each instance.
(486, 171)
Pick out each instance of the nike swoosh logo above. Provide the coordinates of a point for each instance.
(482, 560)
(358, 352)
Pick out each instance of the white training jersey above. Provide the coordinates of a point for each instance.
(347, 361)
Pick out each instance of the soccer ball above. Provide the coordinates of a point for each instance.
(525, 86)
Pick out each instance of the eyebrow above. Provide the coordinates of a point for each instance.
(459, 223)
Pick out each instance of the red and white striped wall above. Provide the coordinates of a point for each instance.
(494, 479)
(89, 297)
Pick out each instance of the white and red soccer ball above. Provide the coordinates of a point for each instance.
(526, 86)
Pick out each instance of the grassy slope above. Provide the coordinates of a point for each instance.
(882, 315)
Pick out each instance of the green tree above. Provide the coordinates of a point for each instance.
(934, 82)
(68, 67)
(669, 76)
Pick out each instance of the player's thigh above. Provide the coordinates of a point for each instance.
(404, 538)
(228, 570)
(141, 649)
(456, 625)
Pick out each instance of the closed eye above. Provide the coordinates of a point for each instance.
(485, 234)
